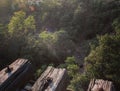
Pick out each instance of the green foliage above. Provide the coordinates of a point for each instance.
(116, 25)
(43, 67)
(82, 20)
(17, 35)
(39, 71)
(45, 48)
(79, 20)
(52, 64)
(62, 66)
(72, 67)
(19, 23)
(58, 43)
(79, 83)
(47, 37)
(103, 61)
(29, 23)
(3, 29)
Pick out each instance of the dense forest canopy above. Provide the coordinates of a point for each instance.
(82, 36)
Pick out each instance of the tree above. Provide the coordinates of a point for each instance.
(78, 82)
(104, 59)
(20, 24)
(116, 25)
(72, 67)
(29, 23)
(19, 29)
(58, 43)
(17, 22)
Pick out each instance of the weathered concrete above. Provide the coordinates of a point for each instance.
(58, 80)
(100, 85)
(16, 75)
